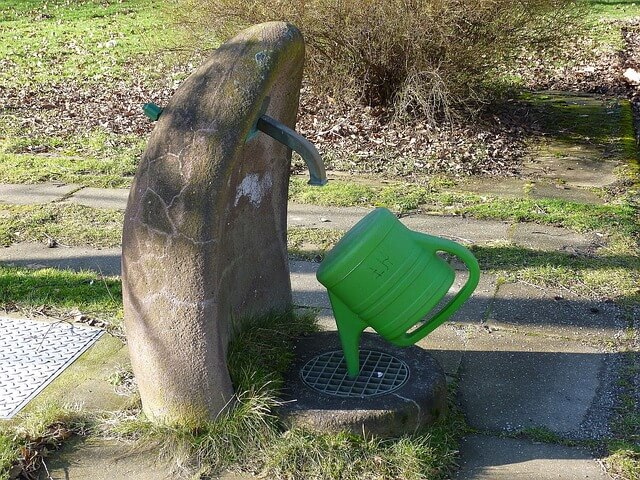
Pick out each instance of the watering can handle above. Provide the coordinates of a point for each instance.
(436, 244)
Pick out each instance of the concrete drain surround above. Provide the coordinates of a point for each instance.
(33, 354)
(398, 390)
(380, 374)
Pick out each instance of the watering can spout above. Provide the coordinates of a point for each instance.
(297, 143)
(350, 328)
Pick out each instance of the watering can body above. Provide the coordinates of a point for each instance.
(385, 276)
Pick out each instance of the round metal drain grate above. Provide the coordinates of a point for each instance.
(380, 373)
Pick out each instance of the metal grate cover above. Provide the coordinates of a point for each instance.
(32, 354)
(380, 373)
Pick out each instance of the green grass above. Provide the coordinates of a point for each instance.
(26, 439)
(56, 52)
(88, 171)
(624, 448)
(624, 459)
(98, 142)
(8, 455)
(596, 33)
(250, 439)
(67, 224)
(612, 9)
(47, 42)
(612, 275)
(603, 18)
(270, 341)
(94, 158)
(303, 454)
(61, 293)
(239, 436)
(607, 219)
(401, 197)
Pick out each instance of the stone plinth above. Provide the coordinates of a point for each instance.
(419, 402)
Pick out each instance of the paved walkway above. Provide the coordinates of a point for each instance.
(524, 357)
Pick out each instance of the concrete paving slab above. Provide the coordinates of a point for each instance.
(38, 255)
(562, 191)
(579, 166)
(111, 198)
(476, 308)
(105, 459)
(99, 459)
(546, 237)
(339, 218)
(555, 311)
(525, 188)
(34, 194)
(511, 381)
(307, 291)
(584, 138)
(493, 458)
(86, 383)
(447, 345)
(460, 229)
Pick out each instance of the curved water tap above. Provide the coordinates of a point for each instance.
(296, 142)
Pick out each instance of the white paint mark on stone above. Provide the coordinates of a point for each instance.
(632, 76)
(254, 187)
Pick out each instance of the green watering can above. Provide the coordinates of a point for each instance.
(385, 276)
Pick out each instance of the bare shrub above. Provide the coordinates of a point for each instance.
(421, 57)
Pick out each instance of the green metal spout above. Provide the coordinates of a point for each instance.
(152, 111)
(297, 143)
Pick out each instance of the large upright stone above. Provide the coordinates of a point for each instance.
(204, 242)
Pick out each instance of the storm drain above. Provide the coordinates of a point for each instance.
(380, 373)
(32, 354)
